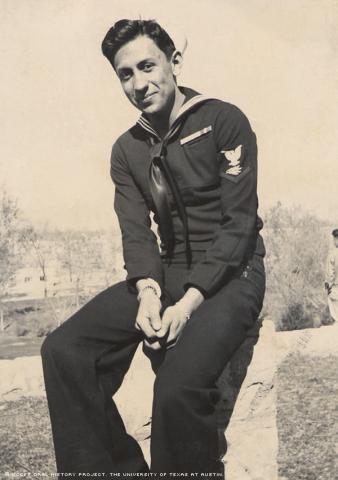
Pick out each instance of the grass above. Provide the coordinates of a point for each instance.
(307, 414)
(25, 437)
(307, 418)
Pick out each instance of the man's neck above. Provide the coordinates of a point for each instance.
(163, 122)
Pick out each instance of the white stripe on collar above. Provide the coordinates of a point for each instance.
(191, 103)
(144, 123)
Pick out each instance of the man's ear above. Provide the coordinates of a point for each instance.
(176, 62)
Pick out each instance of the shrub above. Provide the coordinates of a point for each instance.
(295, 317)
(326, 318)
(297, 247)
(21, 331)
(44, 330)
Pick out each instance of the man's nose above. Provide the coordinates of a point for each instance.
(140, 83)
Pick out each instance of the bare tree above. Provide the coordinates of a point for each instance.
(111, 258)
(79, 253)
(9, 258)
(32, 241)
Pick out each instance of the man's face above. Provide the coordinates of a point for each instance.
(146, 75)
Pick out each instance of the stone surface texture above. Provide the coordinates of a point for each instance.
(247, 409)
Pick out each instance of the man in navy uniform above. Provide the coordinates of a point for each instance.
(192, 160)
(331, 277)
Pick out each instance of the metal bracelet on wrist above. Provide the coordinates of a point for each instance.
(146, 287)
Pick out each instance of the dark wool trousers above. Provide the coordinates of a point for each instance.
(86, 358)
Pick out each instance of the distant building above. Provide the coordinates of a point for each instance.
(29, 283)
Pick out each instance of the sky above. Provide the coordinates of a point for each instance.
(62, 106)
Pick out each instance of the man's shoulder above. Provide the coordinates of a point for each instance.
(224, 118)
(128, 142)
(127, 136)
(207, 101)
(221, 110)
(219, 104)
(225, 107)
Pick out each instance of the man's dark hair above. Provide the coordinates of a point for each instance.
(126, 30)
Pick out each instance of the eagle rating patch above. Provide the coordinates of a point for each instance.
(234, 160)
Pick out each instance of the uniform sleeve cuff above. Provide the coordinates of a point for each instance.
(200, 289)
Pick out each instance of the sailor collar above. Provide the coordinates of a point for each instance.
(192, 98)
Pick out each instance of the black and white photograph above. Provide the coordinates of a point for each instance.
(169, 239)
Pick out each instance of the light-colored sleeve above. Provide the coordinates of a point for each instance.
(330, 269)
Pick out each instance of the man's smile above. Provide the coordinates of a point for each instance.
(146, 97)
(146, 100)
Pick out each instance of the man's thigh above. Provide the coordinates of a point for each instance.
(213, 333)
(107, 319)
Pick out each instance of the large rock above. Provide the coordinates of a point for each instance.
(246, 410)
(21, 377)
(252, 431)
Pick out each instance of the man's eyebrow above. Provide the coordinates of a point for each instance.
(139, 64)
(122, 69)
(146, 60)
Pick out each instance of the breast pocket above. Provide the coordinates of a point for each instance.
(196, 136)
(200, 161)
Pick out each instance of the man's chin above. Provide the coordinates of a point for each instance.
(151, 109)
